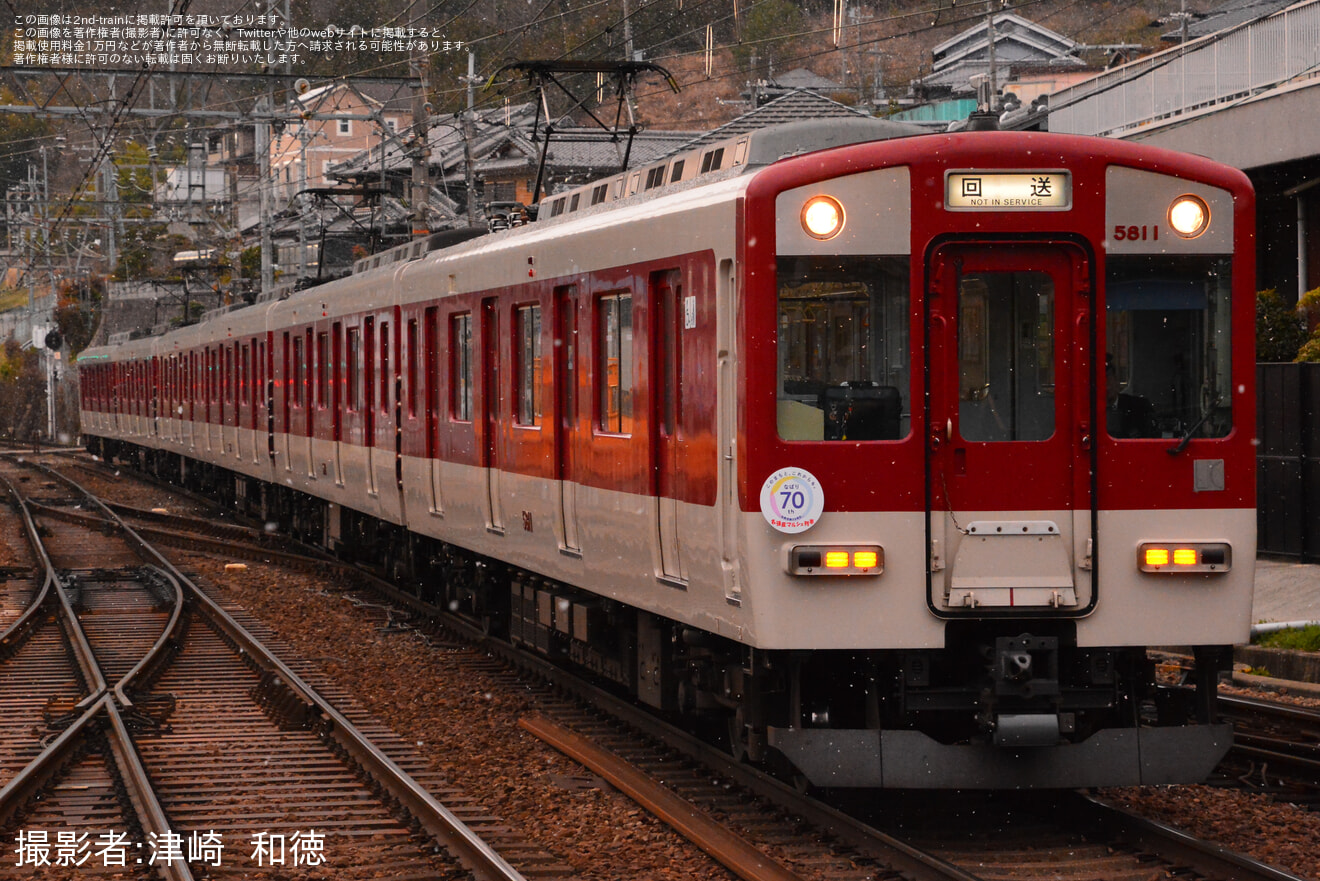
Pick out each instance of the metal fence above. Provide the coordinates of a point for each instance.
(1288, 460)
(1227, 66)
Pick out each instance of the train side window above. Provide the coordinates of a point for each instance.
(843, 348)
(460, 368)
(230, 377)
(386, 375)
(299, 371)
(614, 363)
(323, 370)
(430, 371)
(412, 355)
(1168, 362)
(259, 374)
(527, 370)
(245, 376)
(354, 369)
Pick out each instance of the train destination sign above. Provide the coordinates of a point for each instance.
(1008, 190)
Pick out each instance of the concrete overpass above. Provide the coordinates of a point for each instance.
(1247, 96)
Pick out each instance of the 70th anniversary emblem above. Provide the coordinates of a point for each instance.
(792, 500)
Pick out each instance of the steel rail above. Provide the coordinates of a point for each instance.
(732, 851)
(476, 855)
(140, 791)
(1206, 859)
(894, 853)
(93, 680)
(1231, 704)
(169, 638)
(25, 785)
(236, 547)
(14, 635)
(39, 771)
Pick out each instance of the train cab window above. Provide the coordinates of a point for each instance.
(527, 349)
(1006, 356)
(1167, 353)
(614, 363)
(460, 367)
(843, 348)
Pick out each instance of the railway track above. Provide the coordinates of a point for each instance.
(1276, 749)
(1276, 745)
(190, 745)
(801, 836)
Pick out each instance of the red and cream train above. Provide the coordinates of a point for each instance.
(892, 451)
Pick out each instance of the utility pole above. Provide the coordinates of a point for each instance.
(263, 191)
(421, 145)
(301, 203)
(467, 132)
(110, 208)
(992, 100)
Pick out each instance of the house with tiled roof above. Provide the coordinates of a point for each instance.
(1030, 62)
(1228, 14)
(505, 144)
(794, 106)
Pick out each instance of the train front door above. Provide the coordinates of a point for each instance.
(1009, 447)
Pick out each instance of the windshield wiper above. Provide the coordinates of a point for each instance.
(1187, 438)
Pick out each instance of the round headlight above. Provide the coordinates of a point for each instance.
(1189, 216)
(822, 217)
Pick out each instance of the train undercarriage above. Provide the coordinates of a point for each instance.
(996, 707)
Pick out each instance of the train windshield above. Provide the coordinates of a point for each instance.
(843, 348)
(1167, 355)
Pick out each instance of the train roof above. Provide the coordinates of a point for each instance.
(704, 164)
(736, 154)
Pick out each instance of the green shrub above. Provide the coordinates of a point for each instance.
(1279, 329)
(1306, 639)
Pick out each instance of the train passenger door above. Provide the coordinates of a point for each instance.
(336, 398)
(667, 300)
(369, 367)
(314, 352)
(490, 410)
(566, 414)
(287, 392)
(1009, 448)
(243, 404)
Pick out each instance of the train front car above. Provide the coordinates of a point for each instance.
(996, 440)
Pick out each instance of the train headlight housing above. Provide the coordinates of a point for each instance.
(1180, 557)
(822, 217)
(1189, 216)
(836, 560)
